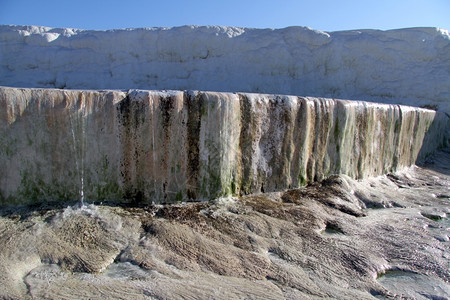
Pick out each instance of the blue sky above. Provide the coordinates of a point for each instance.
(327, 15)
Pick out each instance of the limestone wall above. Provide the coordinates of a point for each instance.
(167, 146)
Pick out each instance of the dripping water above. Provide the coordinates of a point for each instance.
(79, 145)
(153, 145)
(83, 149)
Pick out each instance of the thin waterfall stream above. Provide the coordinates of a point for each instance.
(78, 130)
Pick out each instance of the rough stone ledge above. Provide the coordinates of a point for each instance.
(170, 146)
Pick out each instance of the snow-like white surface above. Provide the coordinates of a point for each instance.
(407, 66)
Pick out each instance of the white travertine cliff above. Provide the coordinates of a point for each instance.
(404, 66)
(167, 146)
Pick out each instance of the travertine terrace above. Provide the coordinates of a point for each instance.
(156, 146)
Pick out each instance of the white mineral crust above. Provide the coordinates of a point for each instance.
(407, 66)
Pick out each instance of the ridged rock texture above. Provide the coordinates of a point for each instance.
(168, 146)
(405, 66)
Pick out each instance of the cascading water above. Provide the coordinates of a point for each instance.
(154, 157)
(78, 130)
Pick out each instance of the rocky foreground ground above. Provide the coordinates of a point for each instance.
(384, 237)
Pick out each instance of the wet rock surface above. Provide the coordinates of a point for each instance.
(383, 237)
(174, 146)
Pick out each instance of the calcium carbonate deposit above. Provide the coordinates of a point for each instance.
(218, 163)
(384, 237)
(407, 66)
(144, 146)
